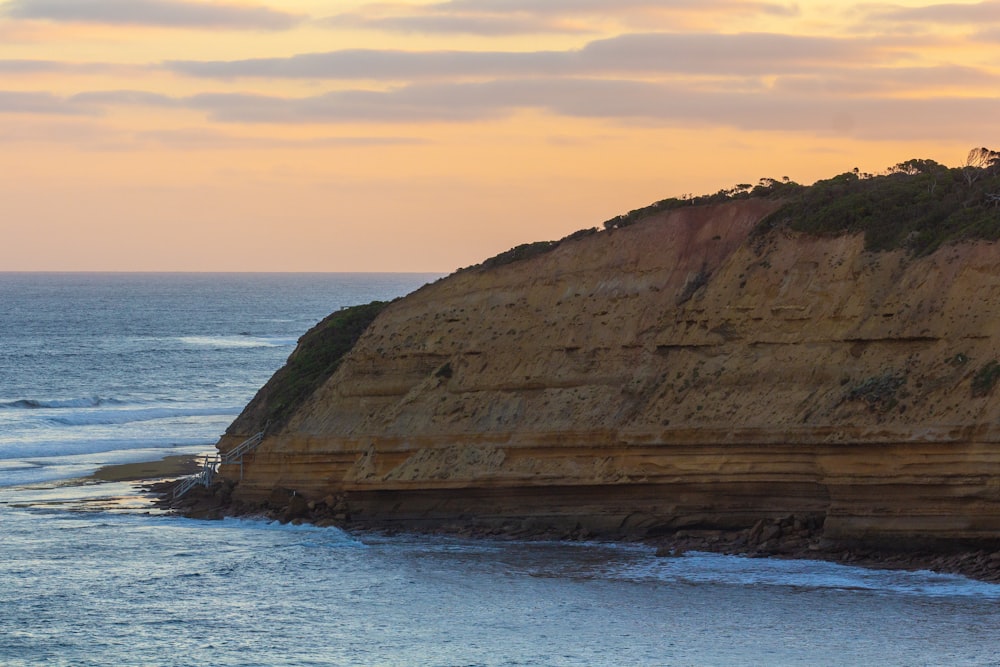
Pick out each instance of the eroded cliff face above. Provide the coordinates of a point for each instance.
(681, 372)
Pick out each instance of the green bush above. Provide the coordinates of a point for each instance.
(315, 359)
(517, 253)
(766, 188)
(879, 392)
(985, 378)
(918, 205)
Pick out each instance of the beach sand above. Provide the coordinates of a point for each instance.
(121, 487)
(168, 467)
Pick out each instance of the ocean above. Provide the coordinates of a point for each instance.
(99, 369)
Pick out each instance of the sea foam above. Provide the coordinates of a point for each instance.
(127, 416)
(37, 404)
(222, 342)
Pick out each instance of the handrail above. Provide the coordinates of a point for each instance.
(244, 447)
(208, 470)
(204, 477)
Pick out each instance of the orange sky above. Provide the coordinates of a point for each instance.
(425, 136)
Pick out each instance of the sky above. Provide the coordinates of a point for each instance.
(193, 135)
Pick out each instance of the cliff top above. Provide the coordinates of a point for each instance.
(917, 205)
(914, 207)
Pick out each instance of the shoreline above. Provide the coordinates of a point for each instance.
(111, 487)
(170, 467)
(788, 538)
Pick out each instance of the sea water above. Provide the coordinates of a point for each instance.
(98, 369)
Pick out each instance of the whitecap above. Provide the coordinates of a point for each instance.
(46, 404)
(128, 416)
(96, 450)
(706, 568)
(241, 341)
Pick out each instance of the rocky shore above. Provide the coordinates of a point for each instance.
(703, 378)
(793, 537)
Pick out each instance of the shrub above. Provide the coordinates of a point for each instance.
(918, 205)
(316, 357)
(517, 253)
(985, 378)
(879, 392)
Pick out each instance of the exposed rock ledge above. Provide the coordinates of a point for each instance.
(682, 374)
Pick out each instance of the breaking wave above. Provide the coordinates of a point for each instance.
(127, 416)
(241, 341)
(35, 404)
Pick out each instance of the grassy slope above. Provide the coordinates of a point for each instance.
(317, 356)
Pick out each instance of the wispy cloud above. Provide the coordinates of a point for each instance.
(39, 66)
(164, 13)
(721, 54)
(18, 102)
(381, 64)
(628, 102)
(949, 13)
(492, 18)
(490, 26)
(197, 138)
(106, 98)
(563, 7)
(748, 54)
(873, 117)
(97, 134)
(889, 80)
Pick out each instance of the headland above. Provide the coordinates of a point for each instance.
(726, 374)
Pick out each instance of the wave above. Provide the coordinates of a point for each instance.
(240, 341)
(100, 451)
(35, 404)
(127, 416)
(699, 568)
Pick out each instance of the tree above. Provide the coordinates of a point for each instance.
(917, 166)
(979, 160)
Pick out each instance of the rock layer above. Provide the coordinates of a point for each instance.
(685, 372)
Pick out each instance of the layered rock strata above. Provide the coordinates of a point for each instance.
(684, 372)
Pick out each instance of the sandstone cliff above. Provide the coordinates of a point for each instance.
(687, 371)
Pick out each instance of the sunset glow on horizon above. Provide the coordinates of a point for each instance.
(183, 135)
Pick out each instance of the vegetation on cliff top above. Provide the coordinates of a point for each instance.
(766, 188)
(317, 356)
(917, 205)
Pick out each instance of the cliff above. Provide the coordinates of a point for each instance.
(696, 370)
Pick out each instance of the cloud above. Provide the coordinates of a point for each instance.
(379, 64)
(99, 135)
(163, 13)
(25, 66)
(746, 54)
(490, 26)
(721, 54)
(432, 103)
(18, 102)
(952, 13)
(989, 35)
(510, 17)
(885, 80)
(875, 103)
(626, 102)
(571, 7)
(123, 98)
(37, 66)
(207, 139)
